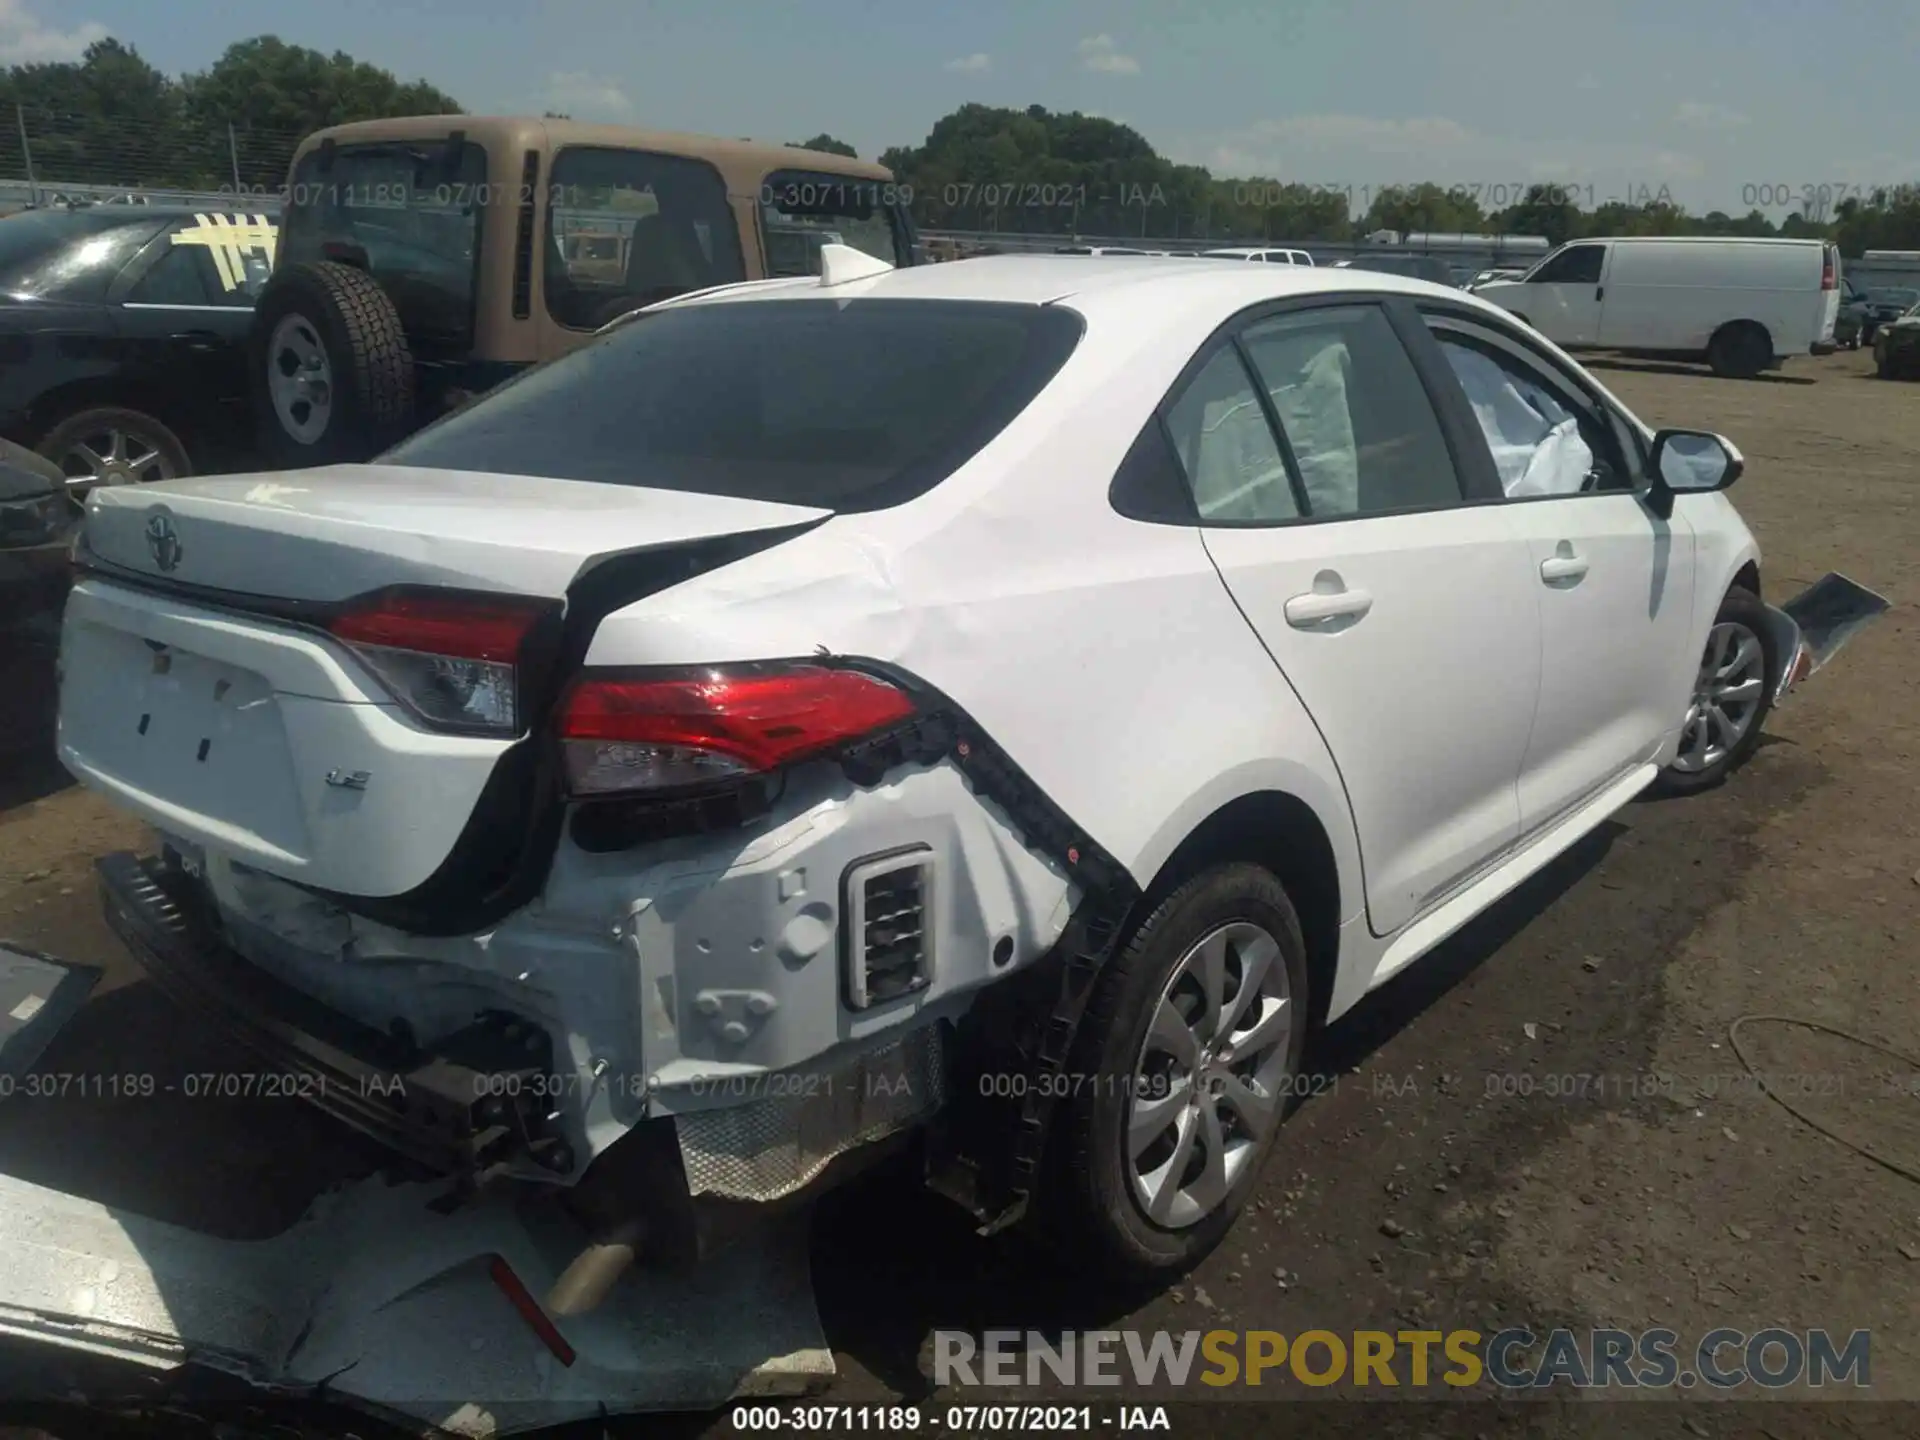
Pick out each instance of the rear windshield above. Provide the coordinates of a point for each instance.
(800, 211)
(846, 406)
(69, 254)
(629, 227)
(409, 213)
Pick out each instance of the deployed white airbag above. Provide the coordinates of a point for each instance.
(1536, 441)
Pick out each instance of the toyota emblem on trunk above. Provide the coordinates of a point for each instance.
(163, 542)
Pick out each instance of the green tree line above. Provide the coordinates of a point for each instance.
(111, 118)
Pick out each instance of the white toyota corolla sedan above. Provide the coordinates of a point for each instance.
(1003, 704)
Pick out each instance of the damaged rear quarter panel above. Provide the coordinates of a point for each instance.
(738, 948)
(1104, 655)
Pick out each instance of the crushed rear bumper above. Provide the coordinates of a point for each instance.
(468, 1107)
(1815, 625)
(364, 1294)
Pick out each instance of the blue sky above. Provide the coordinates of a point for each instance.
(1712, 99)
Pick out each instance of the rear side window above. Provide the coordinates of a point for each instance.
(215, 261)
(844, 405)
(629, 227)
(175, 279)
(1363, 434)
(1228, 450)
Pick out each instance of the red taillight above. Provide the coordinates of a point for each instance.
(666, 732)
(1830, 271)
(451, 660)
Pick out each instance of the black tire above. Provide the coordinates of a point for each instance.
(342, 311)
(1740, 607)
(139, 428)
(1883, 367)
(1089, 1203)
(1740, 351)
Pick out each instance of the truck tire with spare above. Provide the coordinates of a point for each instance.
(330, 361)
(423, 261)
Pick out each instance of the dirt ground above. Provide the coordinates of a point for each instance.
(1545, 1123)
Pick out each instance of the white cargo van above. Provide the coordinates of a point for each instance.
(1271, 257)
(1743, 305)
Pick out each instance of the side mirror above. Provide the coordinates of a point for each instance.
(20, 463)
(32, 512)
(1690, 462)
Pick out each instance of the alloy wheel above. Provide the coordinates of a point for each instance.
(1207, 1089)
(1726, 697)
(112, 455)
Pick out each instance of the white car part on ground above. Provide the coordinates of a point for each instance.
(374, 1299)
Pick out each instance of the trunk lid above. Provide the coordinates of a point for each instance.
(332, 533)
(273, 743)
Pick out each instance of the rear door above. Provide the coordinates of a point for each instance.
(186, 303)
(1829, 293)
(1612, 582)
(1563, 300)
(1404, 618)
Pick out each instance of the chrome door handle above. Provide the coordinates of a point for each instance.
(1313, 608)
(1562, 567)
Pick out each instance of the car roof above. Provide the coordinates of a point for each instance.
(131, 213)
(1697, 240)
(1058, 279)
(512, 132)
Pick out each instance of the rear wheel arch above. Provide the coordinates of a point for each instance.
(1283, 834)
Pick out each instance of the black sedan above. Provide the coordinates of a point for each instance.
(123, 338)
(1882, 307)
(36, 527)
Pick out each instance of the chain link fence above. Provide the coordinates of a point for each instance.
(51, 153)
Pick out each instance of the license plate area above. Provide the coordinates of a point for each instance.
(174, 709)
(200, 743)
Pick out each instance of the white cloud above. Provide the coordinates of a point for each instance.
(977, 63)
(583, 96)
(26, 39)
(1102, 53)
(1705, 115)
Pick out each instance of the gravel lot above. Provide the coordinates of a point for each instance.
(1437, 1183)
